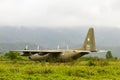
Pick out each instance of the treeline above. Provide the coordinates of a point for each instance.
(12, 56)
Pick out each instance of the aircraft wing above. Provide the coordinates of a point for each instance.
(29, 52)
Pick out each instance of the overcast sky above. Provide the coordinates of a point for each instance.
(58, 13)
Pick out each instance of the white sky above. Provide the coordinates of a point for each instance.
(57, 13)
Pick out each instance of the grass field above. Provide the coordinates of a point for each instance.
(76, 70)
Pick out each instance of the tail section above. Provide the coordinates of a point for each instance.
(89, 43)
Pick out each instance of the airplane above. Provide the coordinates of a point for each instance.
(63, 55)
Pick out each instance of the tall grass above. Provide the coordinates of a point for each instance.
(77, 70)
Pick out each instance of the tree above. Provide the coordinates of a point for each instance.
(109, 55)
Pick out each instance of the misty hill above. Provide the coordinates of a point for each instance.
(16, 38)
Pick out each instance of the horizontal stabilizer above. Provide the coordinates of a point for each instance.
(102, 50)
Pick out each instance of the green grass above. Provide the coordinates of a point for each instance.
(77, 70)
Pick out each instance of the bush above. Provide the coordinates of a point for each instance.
(91, 63)
(12, 55)
(109, 55)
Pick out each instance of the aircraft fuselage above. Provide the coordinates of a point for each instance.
(65, 55)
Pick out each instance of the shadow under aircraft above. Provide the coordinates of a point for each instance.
(64, 55)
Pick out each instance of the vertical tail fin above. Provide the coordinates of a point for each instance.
(89, 43)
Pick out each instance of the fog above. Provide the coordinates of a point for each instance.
(59, 13)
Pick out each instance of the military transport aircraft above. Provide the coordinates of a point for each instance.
(64, 55)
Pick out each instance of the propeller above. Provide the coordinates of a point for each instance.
(38, 47)
(58, 47)
(67, 47)
(26, 47)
